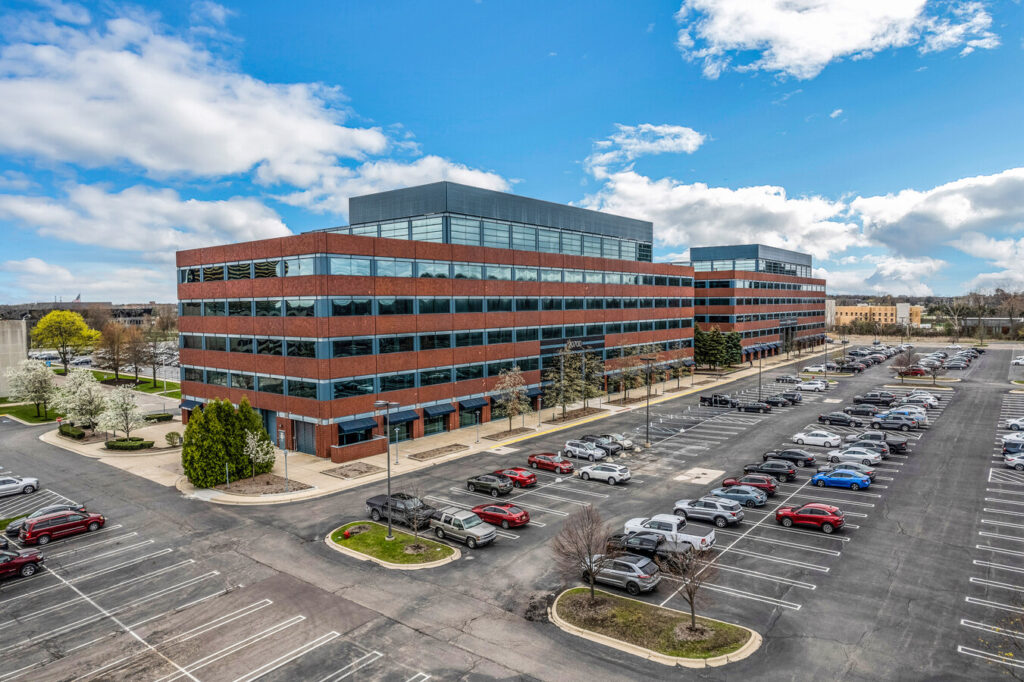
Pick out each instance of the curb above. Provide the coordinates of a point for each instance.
(455, 556)
(934, 388)
(25, 423)
(57, 442)
(745, 651)
(310, 493)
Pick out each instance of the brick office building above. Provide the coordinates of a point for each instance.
(765, 293)
(422, 300)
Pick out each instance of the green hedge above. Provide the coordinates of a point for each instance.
(133, 443)
(71, 432)
(164, 417)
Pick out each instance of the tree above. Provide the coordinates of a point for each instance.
(258, 449)
(166, 318)
(980, 308)
(215, 443)
(632, 372)
(936, 371)
(593, 377)
(563, 380)
(694, 568)
(122, 412)
(153, 353)
(66, 332)
(81, 398)
(709, 348)
(581, 546)
(97, 316)
(678, 370)
(136, 351)
(1011, 304)
(512, 398)
(112, 351)
(955, 310)
(903, 362)
(31, 382)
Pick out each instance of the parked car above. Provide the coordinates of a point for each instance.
(650, 545)
(816, 386)
(956, 364)
(759, 407)
(841, 478)
(763, 482)
(744, 494)
(14, 527)
(520, 477)
(912, 372)
(581, 449)
(788, 379)
(621, 439)
(39, 531)
(895, 443)
(717, 510)
(798, 457)
(792, 396)
(24, 563)
(674, 529)
(609, 473)
(492, 484)
(504, 515)
(550, 461)
(781, 470)
(849, 466)
(850, 454)
(16, 485)
(926, 401)
(852, 367)
(718, 400)
(777, 401)
(1015, 437)
(840, 418)
(1013, 447)
(883, 398)
(1017, 361)
(1015, 424)
(814, 368)
(881, 447)
(913, 411)
(893, 421)
(609, 446)
(861, 410)
(462, 525)
(1014, 460)
(815, 514)
(633, 572)
(825, 439)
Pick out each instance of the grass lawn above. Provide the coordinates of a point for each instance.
(172, 394)
(27, 413)
(4, 522)
(145, 383)
(647, 625)
(372, 542)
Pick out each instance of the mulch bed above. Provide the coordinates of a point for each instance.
(353, 470)
(263, 484)
(573, 415)
(508, 434)
(438, 452)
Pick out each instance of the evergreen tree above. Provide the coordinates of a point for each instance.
(215, 440)
(733, 348)
(709, 348)
(563, 380)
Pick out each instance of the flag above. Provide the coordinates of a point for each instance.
(78, 299)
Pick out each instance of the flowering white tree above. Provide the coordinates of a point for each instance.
(32, 382)
(81, 398)
(122, 412)
(258, 449)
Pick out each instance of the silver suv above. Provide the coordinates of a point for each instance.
(721, 512)
(607, 472)
(464, 526)
(583, 450)
(633, 572)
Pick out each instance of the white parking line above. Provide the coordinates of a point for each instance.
(1004, 524)
(1015, 634)
(289, 657)
(998, 550)
(994, 604)
(993, 583)
(80, 578)
(352, 667)
(779, 560)
(782, 543)
(1012, 538)
(527, 506)
(996, 499)
(765, 576)
(742, 594)
(419, 677)
(113, 552)
(992, 510)
(831, 501)
(1001, 567)
(80, 548)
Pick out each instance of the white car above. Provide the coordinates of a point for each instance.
(955, 346)
(858, 455)
(918, 399)
(1015, 461)
(1015, 437)
(609, 473)
(1018, 361)
(825, 439)
(817, 386)
(1015, 424)
(814, 368)
(12, 485)
(626, 443)
(581, 449)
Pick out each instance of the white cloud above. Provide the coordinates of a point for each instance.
(142, 219)
(799, 38)
(37, 280)
(681, 257)
(68, 12)
(1004, 253)
(631, 142)
(890, 275)
(836, 113)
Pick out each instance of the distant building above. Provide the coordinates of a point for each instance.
(830, 313)
(901, 313)
(130, 314)
(13, 349)
(997, 325)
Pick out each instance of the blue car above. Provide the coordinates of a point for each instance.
(744, 494)
(841, 478)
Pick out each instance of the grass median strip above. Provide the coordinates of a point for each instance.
(6, 522)
(27, 413)
(367, 537)
(665, 631)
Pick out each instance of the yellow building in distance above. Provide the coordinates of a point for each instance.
(901, 313)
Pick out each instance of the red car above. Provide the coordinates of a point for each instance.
(504, 515)
(765, 483)
(823, 516)
(521, 478)
(551, 462)
(41, 530)
(913, 372)
(23, 563)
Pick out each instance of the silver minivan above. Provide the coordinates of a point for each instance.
(632, 572)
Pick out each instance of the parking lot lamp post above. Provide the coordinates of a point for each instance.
(759, 377)
(386, 406)
(649, 359)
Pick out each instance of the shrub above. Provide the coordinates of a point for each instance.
(129, 444)
(162, 417)
(173, 438)
(71, 432)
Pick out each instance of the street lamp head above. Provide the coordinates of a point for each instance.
(380, 403)
(649, 358)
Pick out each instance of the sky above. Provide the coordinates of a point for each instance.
(884, 137)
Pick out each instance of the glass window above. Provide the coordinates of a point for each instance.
(499, 272)
(573, 330)
(573, 276)
(499, 336)
(216, 378)
(499, 305)
(524, 238)
(467, 372)
(609, 247)
(396, 344)
(369, 230)
(354, 437)
(432, 377)
(627, 250)
(469, 305)
(343, 307)
(428, 229)
(398, 229)
(613, 303)
(548, 333)
(613, 278)
(550, 275)
(346, 348)
(262, 269)
(194, 342)
(547, 241)
(244, 381)
(397, 382)
(241, 345)
(299, 266)
(591, 245)
(394, 306)
(593, 277)
(300, 388)
(435, 269)
(527, 304)
(575, 303)
(240, 308)
(300, 349)
(435, 341)
(595, 303)
(212, 273)
(613, 328)
(465, 231)
(191, 308)
(429, 306)
(300, 307)
(572, 243)
(496, 368)
(269, 347)
(629, 326)
(463, 339)
(268, 308)
(550, 303)
(595, 329)
(217, 343)
(432, 425)
(193, 374)
(215, 308)
(526, 274)
(496, 235)
(528, 364)
(393, 267)
(644, 252)
(347, 388)
(467, 271)
(239, 271)
(355, 267)
(631, 303)
(189, 275)
(527, 334)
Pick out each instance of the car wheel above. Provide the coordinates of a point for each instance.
(504, 524)
(800, 464)
(590, 457)
(820, 484)
(1019, 467)
(494, 492)
(1015, 427)
(28, 570)
(760, 410)
(28, 489)
(904, 427)
(720, 521)
(827, 422)
(834, 459)
(611, 480)
(633, 588)
(787, 522)
(533, 464)
(827, 528)
(471, 543)
(866, 462)
(515, 484)
(876, 425)
(585, 476)
(854, 486)
(439, 532)
(749, 503)
(94, 526)
(375, 515)
(472, 488)
(799, 441)
(43, 539)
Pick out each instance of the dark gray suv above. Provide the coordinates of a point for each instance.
(495, 484)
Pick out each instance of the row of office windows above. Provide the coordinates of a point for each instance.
(756, 317)
(472, 231)
(754, 333)
(366, 266)
(753, 265)
(757, 301)
(754, 284)
(407, 343)
(401, 305)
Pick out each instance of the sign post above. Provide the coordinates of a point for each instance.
(282, 443)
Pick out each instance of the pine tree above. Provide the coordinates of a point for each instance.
(563, 380)
(733, 348)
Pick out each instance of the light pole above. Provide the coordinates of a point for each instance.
(758, 377)
(386, 406)
(476, 418)
(649, 359)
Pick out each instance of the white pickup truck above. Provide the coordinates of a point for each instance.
(672, 527)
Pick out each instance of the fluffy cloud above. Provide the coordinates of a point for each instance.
(698, 215)
(632, 142)
(1004, 253)
(800, 37)
(890, 275)
(141, 218)
(38, 280)
(836, 113)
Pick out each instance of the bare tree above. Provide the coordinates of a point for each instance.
(111, 353)
(956, 310)
(903, 362)
(136, 351)
(512, 398)
(936, 371)
(694, 568)
(581, 546)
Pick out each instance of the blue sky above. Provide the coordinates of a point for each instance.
(884, 137)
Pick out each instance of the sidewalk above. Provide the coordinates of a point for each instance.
(165, 467)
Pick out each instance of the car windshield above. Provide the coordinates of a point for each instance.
(515, 510)
(471, 521)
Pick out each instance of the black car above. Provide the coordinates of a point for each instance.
(778, 468)
(883, 398)
(644, 544)
(787, 379)
(777, 401)
(14, 527)
(609, 446)
(840, 418)
(852, 368)
(794, 455)
(793, 396)
(754, 407)
(862, 410)
(494, 484)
